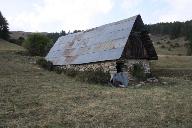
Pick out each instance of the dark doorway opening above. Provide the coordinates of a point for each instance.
(119, 67)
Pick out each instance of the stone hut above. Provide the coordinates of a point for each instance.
(113, 47)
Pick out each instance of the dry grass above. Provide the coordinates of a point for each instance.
(173, 66)
(7, 46)
(174, 51)
(33, 97)
(166, 42)
(172, 62)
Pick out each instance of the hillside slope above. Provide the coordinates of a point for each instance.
(18, 34)
(7, 46)
(164, 45)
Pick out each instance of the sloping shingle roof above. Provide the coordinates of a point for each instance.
(103, 43)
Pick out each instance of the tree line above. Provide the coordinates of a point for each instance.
(174, 30)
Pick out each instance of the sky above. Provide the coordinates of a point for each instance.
(69, 15)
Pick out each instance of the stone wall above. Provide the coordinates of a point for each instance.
(110, 66)
(129, 64)
(106, 66)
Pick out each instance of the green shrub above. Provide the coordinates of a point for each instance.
(70, 72)
(186, 45)
(177, 45)
(168, 42)
(22, 53)
(58, 70)
(189, 52)
(37, 44)
(189, 48)
(163, 46)
(172, 46)
(18, 41)
(138, 72)
(45, 64)
(96, 77)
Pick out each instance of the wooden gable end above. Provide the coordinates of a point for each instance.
(139, 44)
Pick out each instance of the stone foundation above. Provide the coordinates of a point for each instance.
(109, 66)
(105, 66)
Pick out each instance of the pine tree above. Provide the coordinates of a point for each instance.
(4, 29)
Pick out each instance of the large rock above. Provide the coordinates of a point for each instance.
(120, 79)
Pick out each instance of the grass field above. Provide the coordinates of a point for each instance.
(172, 61)
(33, 97)
(6, 46)
(166, 46)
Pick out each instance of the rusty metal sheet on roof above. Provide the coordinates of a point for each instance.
(98, 44)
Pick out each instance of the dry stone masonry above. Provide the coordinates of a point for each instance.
(109, 66)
